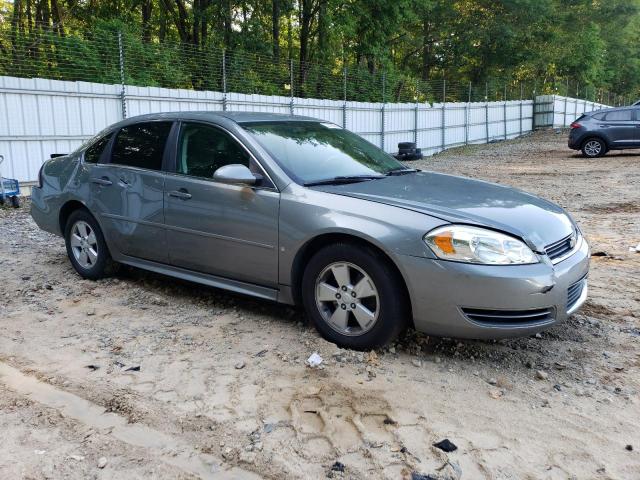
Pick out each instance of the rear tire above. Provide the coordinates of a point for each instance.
(86, 247)
(354, 297)
(15, 201)
(594, 147)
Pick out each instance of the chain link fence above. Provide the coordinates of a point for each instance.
(122, 58)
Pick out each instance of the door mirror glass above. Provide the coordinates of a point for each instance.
(236, 174)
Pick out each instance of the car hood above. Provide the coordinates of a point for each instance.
(463, 200)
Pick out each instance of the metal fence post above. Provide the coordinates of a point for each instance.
(123, 93)
(467, 109)
(291, 85)
(224, 79)
(564, 122)
(382, 112)
(415, 115)
(444, 111)
(504, 111)
(486, 111)
(344, 96)
(533, 107)
(520, 116)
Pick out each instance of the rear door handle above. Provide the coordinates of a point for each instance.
(104, 181)
(181, 194)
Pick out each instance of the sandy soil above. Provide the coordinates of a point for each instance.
(143, 376)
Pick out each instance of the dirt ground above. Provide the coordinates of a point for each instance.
(143, 376)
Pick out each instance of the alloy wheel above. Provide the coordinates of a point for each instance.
(593, 148)
(347, 298)
(84, 244)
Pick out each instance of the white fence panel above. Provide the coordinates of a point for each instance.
(556, 111)
(39, 117)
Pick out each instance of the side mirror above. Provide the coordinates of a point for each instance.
(236, 174)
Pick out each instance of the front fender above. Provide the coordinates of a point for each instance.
(306, 214)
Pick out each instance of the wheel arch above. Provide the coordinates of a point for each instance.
(318, 242)
(67, 209)
(597, 136)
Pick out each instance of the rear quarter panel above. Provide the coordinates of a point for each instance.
(58, 178)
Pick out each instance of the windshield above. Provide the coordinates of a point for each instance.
(314, 151)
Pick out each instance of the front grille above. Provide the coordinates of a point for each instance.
(509, 317)
(574, 292)
(561, 247)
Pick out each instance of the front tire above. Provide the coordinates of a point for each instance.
(594, 147)
(86, 247)
(354, 297)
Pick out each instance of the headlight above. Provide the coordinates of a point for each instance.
(462, 243)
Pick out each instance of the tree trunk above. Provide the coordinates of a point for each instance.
(228, 20)
(275, 23)
(56, 15)
(306, 17)
(289, 36)
(196, 11)
(426, 50)
(147, 6)
(162, 31)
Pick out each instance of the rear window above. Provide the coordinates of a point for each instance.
(141, 145)
(94, 152)
(619, 115)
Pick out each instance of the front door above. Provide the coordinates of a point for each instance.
(620, 127)
(225, 230)
(128, 191)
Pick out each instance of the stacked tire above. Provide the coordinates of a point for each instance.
(408, 151)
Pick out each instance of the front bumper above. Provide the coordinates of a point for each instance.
(483, 301)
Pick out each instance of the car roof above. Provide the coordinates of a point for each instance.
(216, 117)
(610, 109)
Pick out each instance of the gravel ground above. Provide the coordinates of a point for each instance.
(144, 376)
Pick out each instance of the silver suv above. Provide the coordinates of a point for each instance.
(595, 133)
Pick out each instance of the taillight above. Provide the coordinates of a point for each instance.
(575, 125)
(40, 176)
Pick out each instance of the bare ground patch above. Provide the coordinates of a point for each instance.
(225, 375)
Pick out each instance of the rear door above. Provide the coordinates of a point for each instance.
(128, 191)
(619, 126)
(225, 230)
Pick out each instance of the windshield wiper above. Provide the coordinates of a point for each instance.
(401, 171)
(343, 179)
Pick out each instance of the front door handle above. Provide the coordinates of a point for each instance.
(104, 181)
(182, 194)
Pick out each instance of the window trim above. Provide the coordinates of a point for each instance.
(168, 143)
(106, 151)
(172, 167)
(631, 119)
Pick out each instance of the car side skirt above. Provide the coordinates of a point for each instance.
(202, 278)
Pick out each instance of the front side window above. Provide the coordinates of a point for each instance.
(141, 145)
(94, 152)
(203, 149)
(315, 151)
(620, 116)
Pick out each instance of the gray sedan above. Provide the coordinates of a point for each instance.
(303, 212)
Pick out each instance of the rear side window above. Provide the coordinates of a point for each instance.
(620, 115)
(94, 152)
(598, 116)
(141, 145)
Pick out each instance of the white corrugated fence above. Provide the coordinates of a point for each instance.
(40, 117)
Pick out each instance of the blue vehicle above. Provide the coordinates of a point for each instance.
(9, 189)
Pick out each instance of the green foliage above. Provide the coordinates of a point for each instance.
(372, 50)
